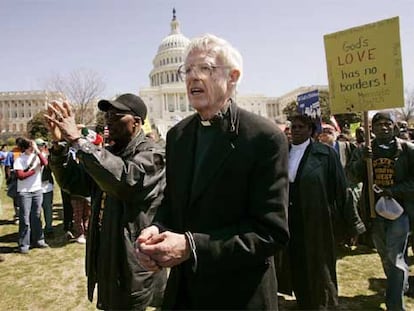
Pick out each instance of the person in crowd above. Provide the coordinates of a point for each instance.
(126, 187)
(393, 172)
(359, 136)
(11, 180)
(47, 189)
(319, 197)
(411, 134)
(343, 148)
(80, 201)
(225, 209)
(67, 215)
(402, 125)
(81, 212)
(402, 130)
(28, 168)
(3, 156)
(288, 132)
(284, 126)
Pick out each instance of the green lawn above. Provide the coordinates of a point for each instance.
(44, 279)
(54, 278)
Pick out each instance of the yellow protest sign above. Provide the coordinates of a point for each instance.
(147, 126)
(364, 67)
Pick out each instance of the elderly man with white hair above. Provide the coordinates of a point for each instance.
(224, 212)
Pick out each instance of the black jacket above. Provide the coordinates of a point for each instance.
(126, 189)
(403, 188)
(236, 211)
(320, 200)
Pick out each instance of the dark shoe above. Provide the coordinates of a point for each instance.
(69, 236)
(50, 235)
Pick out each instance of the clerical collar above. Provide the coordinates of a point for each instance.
(220, 115)
(205, 123)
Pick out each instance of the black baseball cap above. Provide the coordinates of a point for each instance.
(126, 102)
(383, 115)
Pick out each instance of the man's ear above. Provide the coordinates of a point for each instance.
(137, 120)
(234, 76)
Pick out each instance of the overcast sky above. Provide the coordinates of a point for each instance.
(281, 41)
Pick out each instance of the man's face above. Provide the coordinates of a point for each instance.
(207, 85)
(121, 125)
(288, 133)
(383, 130)
(300, 132)
(328, 136)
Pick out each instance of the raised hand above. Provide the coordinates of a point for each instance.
(53, 128)
(60, 116)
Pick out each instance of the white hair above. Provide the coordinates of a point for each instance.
(223, 49)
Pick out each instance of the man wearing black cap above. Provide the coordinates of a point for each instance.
(393, 173)
(125, 182)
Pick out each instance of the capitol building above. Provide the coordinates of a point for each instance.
(165, 96)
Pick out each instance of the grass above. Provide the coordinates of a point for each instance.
(44, 279)
(54, 278)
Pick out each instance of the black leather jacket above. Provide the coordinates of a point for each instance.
(126, 189)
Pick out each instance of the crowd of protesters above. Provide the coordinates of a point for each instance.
(224, 204)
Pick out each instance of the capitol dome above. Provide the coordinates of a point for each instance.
(174, 40)
(166, 97)
(169, 56)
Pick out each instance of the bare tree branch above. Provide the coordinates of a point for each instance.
(82, 87)
(407, 112)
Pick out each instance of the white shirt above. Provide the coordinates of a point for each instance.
(295, 156)
(34, 182)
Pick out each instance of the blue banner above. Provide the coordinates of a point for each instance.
(308, 104)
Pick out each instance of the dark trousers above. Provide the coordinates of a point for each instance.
(67, 211)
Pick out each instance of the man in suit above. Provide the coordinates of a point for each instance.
(224, 212)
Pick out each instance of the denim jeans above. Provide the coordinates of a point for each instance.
(47, 210)
(390, 239)
(30, 224)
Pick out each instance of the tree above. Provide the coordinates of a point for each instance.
(82, 88)
(37, 127)
(292, 108)
(406, 113)
(342, 119)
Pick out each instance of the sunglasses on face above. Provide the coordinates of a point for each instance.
(114, 115)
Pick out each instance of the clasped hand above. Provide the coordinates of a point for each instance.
(156, 250)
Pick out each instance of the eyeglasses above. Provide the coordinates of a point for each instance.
(111, 115)
(204, 70)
